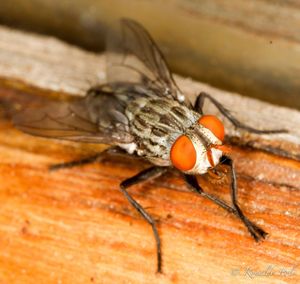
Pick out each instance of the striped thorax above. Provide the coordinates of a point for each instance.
(171, 134)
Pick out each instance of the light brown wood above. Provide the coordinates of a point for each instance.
(74, 226)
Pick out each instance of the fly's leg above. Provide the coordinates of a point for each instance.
(199, 107)
(147, 174)
(254, 230)
(76, 163)
(87, 160)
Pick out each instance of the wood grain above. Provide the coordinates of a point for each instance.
(48, 66)
(74, 225)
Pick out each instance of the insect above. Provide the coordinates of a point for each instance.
(142, 111)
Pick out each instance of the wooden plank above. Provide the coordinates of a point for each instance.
(74, 226)
(40, 66)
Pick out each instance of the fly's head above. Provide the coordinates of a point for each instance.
(201, 147)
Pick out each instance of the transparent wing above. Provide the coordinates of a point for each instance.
(96, 118)
(133, 57)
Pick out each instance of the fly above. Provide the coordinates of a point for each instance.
(142, 111)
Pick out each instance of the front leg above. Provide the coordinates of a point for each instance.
(145, 175)
(255, 231)
(199, 108)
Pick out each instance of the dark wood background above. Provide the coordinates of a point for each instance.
(250, 47)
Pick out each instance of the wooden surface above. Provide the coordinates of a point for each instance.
(251, 47)
(74, 226)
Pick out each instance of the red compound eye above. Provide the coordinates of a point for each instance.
(183, 154)
(214, 124)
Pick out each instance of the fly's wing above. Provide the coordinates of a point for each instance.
(134, 58)
(97, 118)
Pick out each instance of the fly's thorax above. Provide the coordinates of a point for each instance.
(156, 123)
